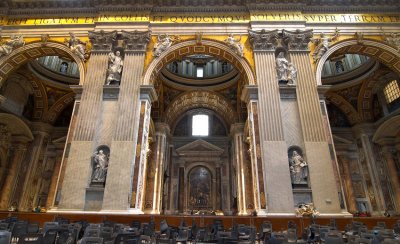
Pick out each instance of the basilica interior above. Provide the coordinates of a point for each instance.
(254, 119)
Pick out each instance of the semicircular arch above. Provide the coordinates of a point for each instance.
(372, 48)
(16, 126)
(190, 47)
(200, 99)
(388, 129)
(33, 50)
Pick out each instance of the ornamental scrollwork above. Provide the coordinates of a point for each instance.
(297, 40)
(102, 41)
(264, 40)
(136, 40)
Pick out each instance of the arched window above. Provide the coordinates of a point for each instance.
(200, 125)
(392, 91)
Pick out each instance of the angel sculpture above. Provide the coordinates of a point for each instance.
(322, 44)
(76, 45)
(115, 67)
(235, 44)
(392, 39)
(164, 42)
(14, 42)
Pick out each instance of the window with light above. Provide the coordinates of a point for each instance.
(200, 125)
(392, 91)
(200, 72)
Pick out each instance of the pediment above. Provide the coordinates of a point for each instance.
(199, 147)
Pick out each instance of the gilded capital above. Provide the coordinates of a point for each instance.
(263, 40)
(297, 40)
(136, 40)
(102, 41)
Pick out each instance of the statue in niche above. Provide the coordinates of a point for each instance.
(115, 68)
(292, 74)
(77, 46)
(64, 67)
(14, 42)
(322, 44)
(100, 166)
(164, 42)
(235, 44)
(298, 168)
(282, 66)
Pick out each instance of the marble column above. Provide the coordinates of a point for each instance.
(244, 184)
(18, 151)
(363, 133)
(181, 188)
(250, 96)
(36, 166)
(273, 148)
(147, 96)
(162, 132)
(322, 165)
(54, 178)
(123, 145)
(347, 183)
(388, 151)
(218, 186)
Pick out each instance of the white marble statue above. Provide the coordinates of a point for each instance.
(164, 42)
(235, 44)
(115, 67)
(292, 74)
(77, 46)
(322, 45)
(14, 42)
(282, 66)
(392, 39)
(298, 168)
(100, 166)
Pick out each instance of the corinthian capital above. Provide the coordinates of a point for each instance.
(297, 40)
(102, 41)
(263, 40)
(136, 40)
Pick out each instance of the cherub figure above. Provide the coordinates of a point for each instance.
(235, 44)
(322, 44)
(14, 42)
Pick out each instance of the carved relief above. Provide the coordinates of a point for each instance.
(263, 40)
(322, 44)
(297, 40)
(235, 44)
(164, 42)
(6, 47)
(77, 46)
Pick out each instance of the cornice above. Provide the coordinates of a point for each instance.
(30, 7)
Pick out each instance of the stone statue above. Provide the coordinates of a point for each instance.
(44, 39)
(164, 42)
(282, 66)
(115, 68)
(322, 45)
(292, 74)
(77, 46)
(298, 168)
(235, 44)
(100, 166)
(392, 39)
(14, 42)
